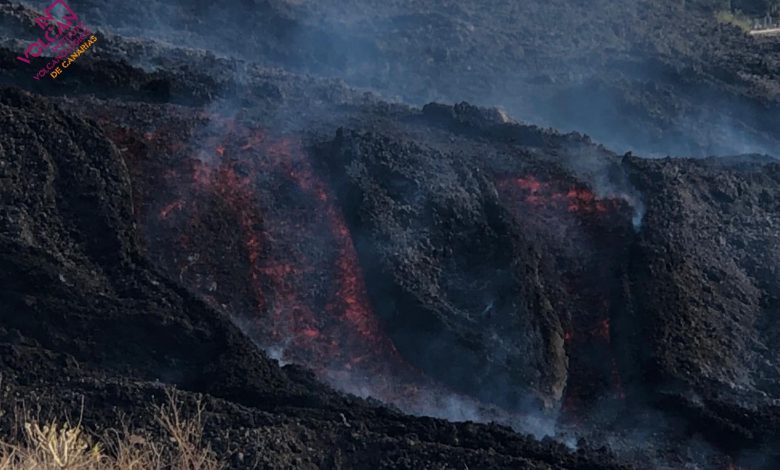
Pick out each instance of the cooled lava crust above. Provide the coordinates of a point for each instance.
(171, 217)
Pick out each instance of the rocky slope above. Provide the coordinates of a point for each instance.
(170, 213)
(656, 77)
(84, 314)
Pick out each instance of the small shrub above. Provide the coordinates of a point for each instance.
(70, 447)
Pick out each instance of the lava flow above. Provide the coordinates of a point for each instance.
(580, 230)
(243, 219)
(311, 306)
(547, 195)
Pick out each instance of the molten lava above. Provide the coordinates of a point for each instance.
(241, 217)
(549, 196)
(578, 228)
(284, 250)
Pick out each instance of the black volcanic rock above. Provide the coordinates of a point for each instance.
(654, 76)
(73, 282)
(72, 277)
(707, 310)
(638, 297)
(458, 285)
(86, 319)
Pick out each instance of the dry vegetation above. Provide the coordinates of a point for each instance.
(63, 446)
(738, 20)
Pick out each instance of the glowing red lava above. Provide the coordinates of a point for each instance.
(548, 195)
(240, 216)
(577, 225)
(278, 268)
(166, 211)
(246, 196)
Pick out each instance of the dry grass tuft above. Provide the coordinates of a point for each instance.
(191, 452)
(57, 446)
(727, 17)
